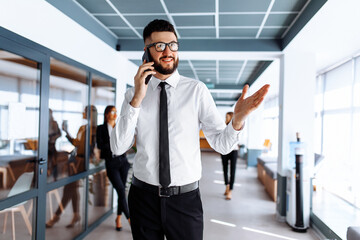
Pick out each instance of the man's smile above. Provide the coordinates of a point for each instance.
(167, 59)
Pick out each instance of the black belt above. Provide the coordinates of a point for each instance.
(118, 156)
(165, 192)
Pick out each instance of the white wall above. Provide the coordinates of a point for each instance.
(254, 139)
(329, 37)
(223, 110)
(42, 23)
(332, 34)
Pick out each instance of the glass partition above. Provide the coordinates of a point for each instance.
(65, 207)
(19, 120)
(68, 107)
(102, 95)
(34, 86)
(19, 137)
(100, 196)
(17, 221)
(100, 189)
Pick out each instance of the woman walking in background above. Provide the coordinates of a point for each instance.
(232, 157)
(117, 167)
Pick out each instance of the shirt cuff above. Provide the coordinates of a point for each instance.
(234, 132)
(132, 112)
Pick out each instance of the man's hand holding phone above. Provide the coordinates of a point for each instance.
(147, 58)
(145, 71)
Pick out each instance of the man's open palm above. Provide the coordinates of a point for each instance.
(244, 106)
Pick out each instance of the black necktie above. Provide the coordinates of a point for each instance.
(164, 162)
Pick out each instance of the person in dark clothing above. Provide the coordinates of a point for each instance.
(54, 134)
(117, 167)
(232, 157)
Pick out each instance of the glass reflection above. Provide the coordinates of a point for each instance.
(17, 221)
(54, 134)
(68, 101)
(102, 95)
(79, 142)
(62, 214)
(19, 119)
(99, 196)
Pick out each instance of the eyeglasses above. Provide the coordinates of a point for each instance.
(113, 112)
(160, 46)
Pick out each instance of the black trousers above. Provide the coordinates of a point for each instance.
(232, 157)
(177, 217)
(117, 170)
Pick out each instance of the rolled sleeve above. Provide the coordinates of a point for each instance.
(233, 133)
(222, 138)
(122, 135)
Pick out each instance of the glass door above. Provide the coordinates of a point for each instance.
(21, 153)
(69, 112)
(100, 188)
(52, 178)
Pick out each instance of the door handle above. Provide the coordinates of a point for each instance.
(42, 161)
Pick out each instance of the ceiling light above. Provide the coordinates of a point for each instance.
(225, 90)
(227, 102)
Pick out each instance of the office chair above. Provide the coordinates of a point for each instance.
(22, 184)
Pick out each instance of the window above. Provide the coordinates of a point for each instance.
(337, 122)
(271, 124)
(337, 138)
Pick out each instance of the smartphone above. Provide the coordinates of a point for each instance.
(147, 58)
(65, 125)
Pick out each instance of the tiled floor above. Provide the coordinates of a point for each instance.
(249, 215)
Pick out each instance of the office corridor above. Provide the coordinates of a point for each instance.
(249, 215)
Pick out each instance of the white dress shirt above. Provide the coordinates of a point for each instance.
(190, 107)
(110, 128)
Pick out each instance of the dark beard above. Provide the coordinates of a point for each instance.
(166, 71)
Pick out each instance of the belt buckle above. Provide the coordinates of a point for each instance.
(164, 192)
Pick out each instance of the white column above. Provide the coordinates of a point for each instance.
(296, 114)
(255, 126)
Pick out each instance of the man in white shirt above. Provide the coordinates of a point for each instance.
(164, 198)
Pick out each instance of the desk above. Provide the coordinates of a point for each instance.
(14, 165)
(261, 161)
(204, 145)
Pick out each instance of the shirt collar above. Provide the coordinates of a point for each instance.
(173, 80)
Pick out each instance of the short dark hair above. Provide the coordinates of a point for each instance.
(158, 25)
(106, 112)
(230, 113)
